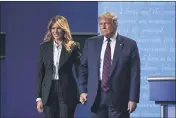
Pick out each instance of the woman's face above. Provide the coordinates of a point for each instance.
(57, 32)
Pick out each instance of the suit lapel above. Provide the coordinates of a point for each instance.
(64, 56)
(98, 46)
(118, 47)
(49, 55)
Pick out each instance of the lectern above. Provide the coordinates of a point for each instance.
(163, 91)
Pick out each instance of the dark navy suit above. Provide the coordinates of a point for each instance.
(124, 74)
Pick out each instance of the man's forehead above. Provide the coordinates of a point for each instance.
(105, 20)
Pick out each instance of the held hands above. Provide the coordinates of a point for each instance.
(131, 106)
(83, 98)
(40, 106)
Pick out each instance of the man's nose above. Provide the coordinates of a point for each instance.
(104, 27)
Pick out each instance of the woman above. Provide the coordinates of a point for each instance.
(56, 87)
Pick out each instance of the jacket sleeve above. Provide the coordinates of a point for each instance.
(83, 70)
(134, 74)
(40, 74)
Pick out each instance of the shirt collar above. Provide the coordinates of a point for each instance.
(112, 38)
(57, 45)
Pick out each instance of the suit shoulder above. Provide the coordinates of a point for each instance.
(128, 40)
(45, 43)
(94, 37)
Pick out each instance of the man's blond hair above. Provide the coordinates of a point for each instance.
(110, 16)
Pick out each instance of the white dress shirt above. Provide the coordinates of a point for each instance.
(104, 44)
(56, 58)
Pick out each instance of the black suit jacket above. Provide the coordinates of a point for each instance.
(67, 81)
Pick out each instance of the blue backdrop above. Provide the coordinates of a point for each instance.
(151, 24)
(25, 24)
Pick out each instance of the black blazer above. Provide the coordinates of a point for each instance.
(67, 81)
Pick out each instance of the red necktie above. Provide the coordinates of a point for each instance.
(106, 67)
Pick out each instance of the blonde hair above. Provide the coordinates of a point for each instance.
(63, 24)
(110, 16)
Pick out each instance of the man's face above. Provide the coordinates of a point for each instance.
(107, 28)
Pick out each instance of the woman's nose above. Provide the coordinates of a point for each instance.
(55, 31)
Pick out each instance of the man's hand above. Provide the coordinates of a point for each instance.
(131, 106)
(40, 106)
(83, 98)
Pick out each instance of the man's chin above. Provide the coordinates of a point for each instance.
(107, 36)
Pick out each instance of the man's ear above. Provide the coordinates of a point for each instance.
(115, 23)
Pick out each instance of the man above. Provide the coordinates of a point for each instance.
(109, 79)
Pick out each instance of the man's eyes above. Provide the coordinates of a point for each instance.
(104, 23)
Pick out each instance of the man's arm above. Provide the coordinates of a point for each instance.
(83, 70)
(134, 75)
